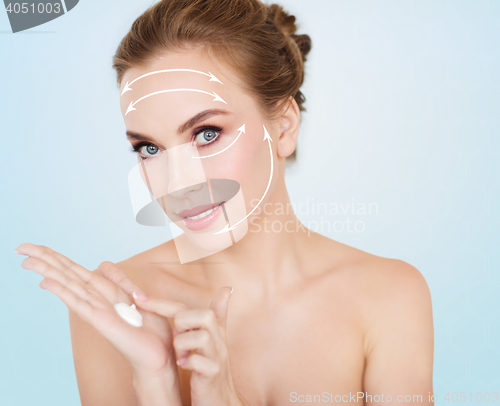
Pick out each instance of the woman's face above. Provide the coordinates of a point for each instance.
(200, 144)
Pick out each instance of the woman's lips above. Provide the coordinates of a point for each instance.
(204, 219)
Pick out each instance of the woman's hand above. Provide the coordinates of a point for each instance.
(200, 346)
(91, 295)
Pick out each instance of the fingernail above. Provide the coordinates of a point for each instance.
(181, 361)
(139, 295)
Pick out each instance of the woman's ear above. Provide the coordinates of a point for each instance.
(289, 129)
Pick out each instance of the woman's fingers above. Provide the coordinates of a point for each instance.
(94, 311)
(200, 364)
(73, 301)
(203, 330)
(198, 318)
(219, 305)
(163, 307)
(49, 256)
(199, 341)
(50, 272)
(91, 281)
(82, 272)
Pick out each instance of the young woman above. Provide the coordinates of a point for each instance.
(263, 311)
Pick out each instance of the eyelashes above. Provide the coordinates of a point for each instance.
(204, 142)
(215, 130)
(138, 147)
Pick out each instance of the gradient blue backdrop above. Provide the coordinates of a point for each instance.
(403, 103)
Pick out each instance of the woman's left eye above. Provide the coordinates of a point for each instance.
(206, 136)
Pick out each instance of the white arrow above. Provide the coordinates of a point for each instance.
(128, 84)
(269, 140)
(241, 130)
(132, 103)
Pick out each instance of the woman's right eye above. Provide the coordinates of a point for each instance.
(148, 150)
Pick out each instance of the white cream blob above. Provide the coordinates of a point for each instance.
(129, 313)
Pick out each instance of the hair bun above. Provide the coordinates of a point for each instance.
(304, 43)
(285, 23)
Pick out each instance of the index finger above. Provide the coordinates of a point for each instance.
(55, 259)
(162, 307)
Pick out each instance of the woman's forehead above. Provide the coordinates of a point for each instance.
(186, 64)
(176, 86)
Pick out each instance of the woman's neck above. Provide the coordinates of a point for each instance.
(270, 256)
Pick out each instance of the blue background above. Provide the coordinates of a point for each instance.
(403, 103)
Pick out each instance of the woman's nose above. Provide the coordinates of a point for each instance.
(185, 173)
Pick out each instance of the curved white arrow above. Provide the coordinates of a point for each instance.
(128, 84)
(269, 140)
(132, 103)
(241, 130)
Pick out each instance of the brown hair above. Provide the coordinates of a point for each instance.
(256, 39)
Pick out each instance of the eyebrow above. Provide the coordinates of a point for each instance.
(199, 117)
(203, 115)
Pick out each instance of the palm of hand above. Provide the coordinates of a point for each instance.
(92, 295)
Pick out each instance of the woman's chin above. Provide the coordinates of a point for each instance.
(212, 244)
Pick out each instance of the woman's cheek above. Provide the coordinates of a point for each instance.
(249, 164)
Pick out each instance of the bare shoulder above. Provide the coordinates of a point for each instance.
(390, 281)
(387, 299)
(384, 288)
(390, 301)
(398, 303)
(378, 278)
(395, 287)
